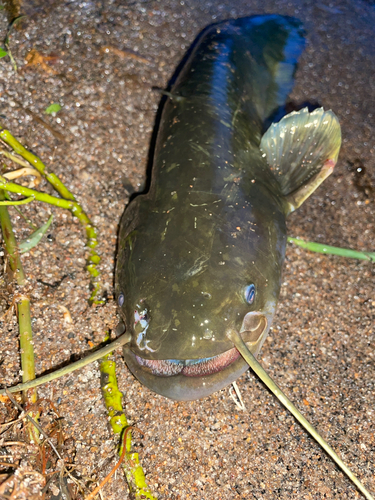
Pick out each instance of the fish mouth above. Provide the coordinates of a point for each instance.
(189, 367)
(253, 327)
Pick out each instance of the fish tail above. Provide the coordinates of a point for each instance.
(250, 61)
(274, 43)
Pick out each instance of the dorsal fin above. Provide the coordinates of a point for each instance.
(301, 151)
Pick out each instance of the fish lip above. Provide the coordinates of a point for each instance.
(190, 367)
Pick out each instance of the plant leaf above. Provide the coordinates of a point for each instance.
(3, 52)
(53, 108)
(35, 237)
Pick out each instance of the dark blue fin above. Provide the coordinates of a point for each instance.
(244, 64)
(275, 43)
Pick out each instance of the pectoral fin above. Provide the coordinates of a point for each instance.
(301, 151)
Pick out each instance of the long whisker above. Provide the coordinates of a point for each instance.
(100, 353)
(275, 389)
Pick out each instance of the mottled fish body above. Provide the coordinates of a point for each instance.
(201, 253)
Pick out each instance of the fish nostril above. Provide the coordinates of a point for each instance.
(253, 327)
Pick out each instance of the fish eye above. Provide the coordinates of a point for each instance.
(121, 299)
(249, 293)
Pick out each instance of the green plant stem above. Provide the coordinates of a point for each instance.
(94, 356)
(14, 158)
(8, 203)
(28, 222)
(13, 23)
(26, 342)
(71, 205)
(10, 243)
(113, 401)
(52, 178)
(76, 210)
(23, 304)
(342, 252)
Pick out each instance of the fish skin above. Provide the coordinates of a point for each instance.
(213, 221)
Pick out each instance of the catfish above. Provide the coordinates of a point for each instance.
(201, 253)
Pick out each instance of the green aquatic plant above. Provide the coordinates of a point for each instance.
(112, 396)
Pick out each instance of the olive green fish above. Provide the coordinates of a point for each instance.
(201, 254)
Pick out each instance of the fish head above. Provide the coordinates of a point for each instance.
(180, 296)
